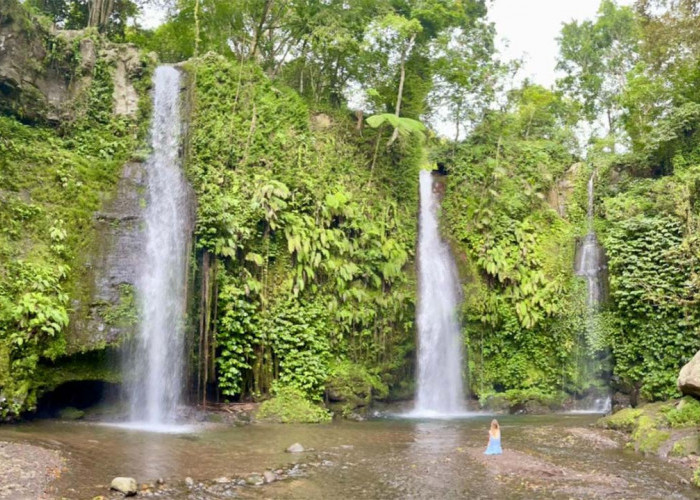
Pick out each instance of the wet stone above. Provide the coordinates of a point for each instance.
(254, 480)
(295, 448)
(126, 485)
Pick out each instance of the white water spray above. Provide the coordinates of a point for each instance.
(156, 364)
(440, 388)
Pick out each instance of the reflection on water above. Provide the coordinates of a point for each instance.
(375, 459)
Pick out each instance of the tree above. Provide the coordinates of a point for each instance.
(395, 37)
(596, 57)
(108, 16)
(466, 75)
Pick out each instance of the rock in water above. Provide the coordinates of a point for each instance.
(255, 480)
(689, 378)
(295, 448)
(126, 485)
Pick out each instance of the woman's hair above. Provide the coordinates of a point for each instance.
(494, 425)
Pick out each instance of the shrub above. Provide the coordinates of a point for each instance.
(289, 405)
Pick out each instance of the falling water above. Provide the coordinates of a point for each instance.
(590, 261)
(440, 389)
(590, 264)
(157, 361)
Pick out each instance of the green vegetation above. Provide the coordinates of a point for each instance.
(662, 428)
(306, 209)
(689, 445)
(623, 420)
(351, 386)
(523, 310)
(309, 257)
(290, 406)
(524, 314)
(51, 183)
(685, 413)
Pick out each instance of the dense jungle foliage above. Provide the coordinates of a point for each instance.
(306, 134)
(306, 248)
(635, 71)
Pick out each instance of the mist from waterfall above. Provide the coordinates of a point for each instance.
(440, 388)
(155, 377)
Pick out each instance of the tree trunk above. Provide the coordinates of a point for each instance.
(611, 129)
(196, 28)
(395, 135)
(99, 12)
(258, 32)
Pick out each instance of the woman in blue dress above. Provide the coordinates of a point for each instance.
(494, 447)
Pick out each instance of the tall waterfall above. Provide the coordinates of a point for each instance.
(440, 389)
(156, 362)
(589, 260)
(590, 264)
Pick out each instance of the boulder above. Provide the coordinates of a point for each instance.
(295, 448)
(689, 377)
(126, 485)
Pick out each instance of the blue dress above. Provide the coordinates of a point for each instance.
(494, 447)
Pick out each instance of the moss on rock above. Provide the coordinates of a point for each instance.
(685, 446)
(350, 386)
(623, 420)
(684, 413)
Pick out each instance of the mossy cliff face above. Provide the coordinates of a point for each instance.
(70, 201)
(46, 75)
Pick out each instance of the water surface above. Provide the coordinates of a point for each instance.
(555, 456)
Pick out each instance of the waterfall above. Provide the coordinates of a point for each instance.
(156, 362)
(590, 262)
(440, 390)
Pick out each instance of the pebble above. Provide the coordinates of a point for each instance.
(295, 448)
(126, 485)
(254, 480)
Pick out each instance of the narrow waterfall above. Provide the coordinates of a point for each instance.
(440, 388)
(156, 363)
(590, 264)
(589, 260)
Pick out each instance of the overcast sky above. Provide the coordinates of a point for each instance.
(530, 28)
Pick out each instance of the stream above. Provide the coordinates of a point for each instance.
(554, 456)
